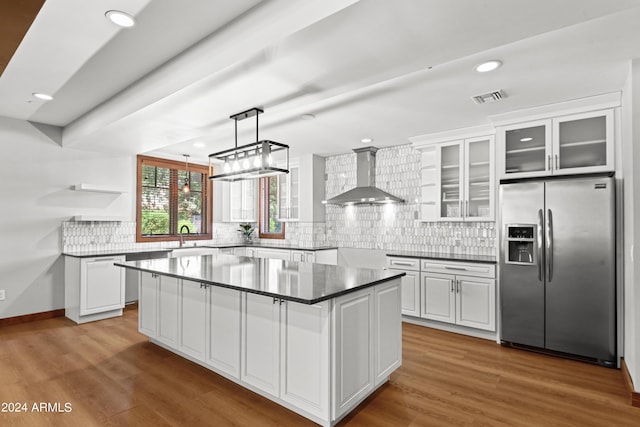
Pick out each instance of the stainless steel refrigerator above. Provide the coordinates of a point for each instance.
(557, 266)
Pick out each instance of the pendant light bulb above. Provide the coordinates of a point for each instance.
(245, 163)
(236, 163)
(257, 160)
(185, 188)
(227, 166)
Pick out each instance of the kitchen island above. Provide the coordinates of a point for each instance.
(317, 339)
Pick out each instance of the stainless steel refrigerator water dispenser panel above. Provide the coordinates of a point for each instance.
(520, 244)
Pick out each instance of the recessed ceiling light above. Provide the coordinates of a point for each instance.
(198, 144)
(43, 96)
(488, 66)
(120, 18)
(307, 116)
(366, 140)
(526, 139)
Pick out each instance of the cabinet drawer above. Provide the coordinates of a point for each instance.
(459, 268)
(412, 264)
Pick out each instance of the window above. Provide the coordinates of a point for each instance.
(162, 208)
(270, 227)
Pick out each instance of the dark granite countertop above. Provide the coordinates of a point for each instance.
(444, 257)
(305, 283)
(114, 252)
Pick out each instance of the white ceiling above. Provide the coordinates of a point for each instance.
(370, 68)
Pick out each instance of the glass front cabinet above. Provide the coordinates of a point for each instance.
(578, 143)
(457, 180)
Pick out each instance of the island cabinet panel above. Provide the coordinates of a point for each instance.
(223, 339)
(192, 318)
(388, 332)
(353, 344)
(260, 366)
(168, 310)
(148, 304)
(304, 356)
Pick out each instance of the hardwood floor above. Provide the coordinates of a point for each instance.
(111, 376)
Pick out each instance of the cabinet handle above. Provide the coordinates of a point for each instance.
(407, 263)
(154, 275)
(281, 301)
(467, 209)
(452, 286)
(550, 165)
(557, 167)
(454, 268)
(458, 286)
(274, 300)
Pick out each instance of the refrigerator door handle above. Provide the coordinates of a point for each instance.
(549, 245)
(539, 237)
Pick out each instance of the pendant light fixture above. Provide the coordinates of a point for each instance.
(186, 188)
(249, 161)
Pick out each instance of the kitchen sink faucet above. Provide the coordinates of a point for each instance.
(182, 235)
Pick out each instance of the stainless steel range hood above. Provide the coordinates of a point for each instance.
(365, 191)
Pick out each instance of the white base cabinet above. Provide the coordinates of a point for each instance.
(94, 288)
(458, 293)
(318, 360)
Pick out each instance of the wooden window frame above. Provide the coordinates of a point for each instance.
(263, 202)
(207, 203)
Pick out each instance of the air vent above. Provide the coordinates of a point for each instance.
(489, 97)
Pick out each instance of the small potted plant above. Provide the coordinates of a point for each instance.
(246, 230)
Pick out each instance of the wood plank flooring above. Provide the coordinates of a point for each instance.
(112, 376)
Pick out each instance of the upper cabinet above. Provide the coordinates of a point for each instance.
(457, 177)
(289, 195)
(570, 144)
(243, 201)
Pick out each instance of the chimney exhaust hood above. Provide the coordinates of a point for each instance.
(365, 191)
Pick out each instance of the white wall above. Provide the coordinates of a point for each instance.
(35, 179)
(630, 161)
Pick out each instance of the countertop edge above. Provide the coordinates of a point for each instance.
(444, 257)
(395, 275)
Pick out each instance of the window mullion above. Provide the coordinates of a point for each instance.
(173, 202)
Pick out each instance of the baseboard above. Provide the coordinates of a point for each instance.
(31, 317)
(635, 396)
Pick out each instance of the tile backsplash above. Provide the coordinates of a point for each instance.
(388, 227)
(395, 226)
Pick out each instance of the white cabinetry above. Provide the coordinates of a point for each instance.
(273, 253)
(302, 256)
(459, 293)
(223, 339)
(289, 195)
(168, 288)
(148, 304)
(192, 319)
(457, 175)
(284, 350)
(241, 201)
(410, 283)
(568, 144)
(94, 288)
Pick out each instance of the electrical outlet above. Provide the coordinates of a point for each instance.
(2, 295)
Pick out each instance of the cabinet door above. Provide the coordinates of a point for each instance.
(283, 197)
(235, 201)
(304, 356)
(438, 297)
(260, 363)
(223, 341)
(388, 330)
(148, 304)
(450, 183)
(526, 149)
(583, 143)
(479, 179)
(297, 256)
(294, 193)
(274, 253)
(410, 296)
(249, 199)
(353, 376)
(192, 309)
(476, 302)
(102, 285)
(168, 310)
